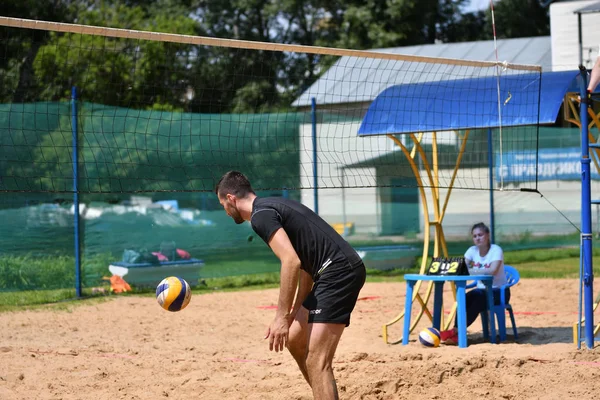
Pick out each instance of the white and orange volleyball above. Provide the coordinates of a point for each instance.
(429, 337)
(173, 293)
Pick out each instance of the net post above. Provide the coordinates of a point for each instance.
(491, 173)
(580, 38)
(76, 190)
(586, 213)
(313, 116)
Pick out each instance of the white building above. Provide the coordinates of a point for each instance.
(566, 17)
(352, 83)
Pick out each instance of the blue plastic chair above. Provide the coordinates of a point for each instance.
(499, 311)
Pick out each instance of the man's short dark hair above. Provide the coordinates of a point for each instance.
(235, 183)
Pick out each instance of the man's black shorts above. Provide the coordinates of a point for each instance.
(334, 294)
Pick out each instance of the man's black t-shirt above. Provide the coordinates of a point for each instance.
(317, 244)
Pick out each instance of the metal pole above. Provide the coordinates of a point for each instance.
(345, 232)
(580, 39)
(313, 114)
(586, 214)
(76, 190)
(597, 222)
(491, 174)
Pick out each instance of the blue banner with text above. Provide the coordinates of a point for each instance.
(550, 164)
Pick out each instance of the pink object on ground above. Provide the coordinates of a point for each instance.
(160, 256)
(184, 255)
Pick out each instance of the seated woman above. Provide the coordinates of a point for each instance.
(482, 259)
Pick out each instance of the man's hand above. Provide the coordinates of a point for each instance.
(278, 332)
(588, 97)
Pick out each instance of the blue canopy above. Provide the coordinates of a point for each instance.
(469, 103)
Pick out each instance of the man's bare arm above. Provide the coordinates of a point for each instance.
(595, 76)
(304, 288)
(290, 267)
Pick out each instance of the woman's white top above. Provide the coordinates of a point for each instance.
(480, 264)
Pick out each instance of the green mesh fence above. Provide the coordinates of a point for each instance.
(36, 208)
(116, 145)
(159, 120)
(125, 150)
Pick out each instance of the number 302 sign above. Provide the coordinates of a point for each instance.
(448, 266)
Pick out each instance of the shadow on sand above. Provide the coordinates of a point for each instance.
(531, 335)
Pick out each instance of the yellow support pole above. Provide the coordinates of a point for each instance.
(410, 156)
(431, 172)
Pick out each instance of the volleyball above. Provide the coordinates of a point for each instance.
(173, 293)
(430, 337)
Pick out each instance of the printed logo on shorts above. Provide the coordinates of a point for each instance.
(318, 311)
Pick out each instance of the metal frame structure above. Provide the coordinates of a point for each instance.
(580, 113)
(558, 89)
(440, 204)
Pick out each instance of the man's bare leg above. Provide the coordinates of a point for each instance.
(298, 340)
(322, 343)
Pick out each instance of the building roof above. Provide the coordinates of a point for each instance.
(355, 80)
(589, 9)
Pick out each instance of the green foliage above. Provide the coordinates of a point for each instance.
(29, 273)
(27, 132)
(540, 263)
(125, 150)
(117, 71)
(38, 271)
(238, 282)
(95, 268)
(167, 76)
(20, 47)
(12, 301)
(382, 23)
(520, 18)
(468, 28)
(252, 97)
(531, 256)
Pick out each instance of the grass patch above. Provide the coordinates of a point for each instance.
(227, 272)
(33, 297)
(59, 299)
(226, 284)
(258, 281)
(558, 268)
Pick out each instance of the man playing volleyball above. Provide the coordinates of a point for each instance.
(317, 261)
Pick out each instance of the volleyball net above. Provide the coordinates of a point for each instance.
(141, 125)
(163, 112)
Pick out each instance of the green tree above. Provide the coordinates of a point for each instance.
(20, 47)
(215, 79)
(520, 18)
(132, 73)
(468, 27)
(390, 23)
(513, 18)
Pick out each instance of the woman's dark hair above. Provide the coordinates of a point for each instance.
(235, 183)
(482, 226)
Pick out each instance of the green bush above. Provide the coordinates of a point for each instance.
(29, 273)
